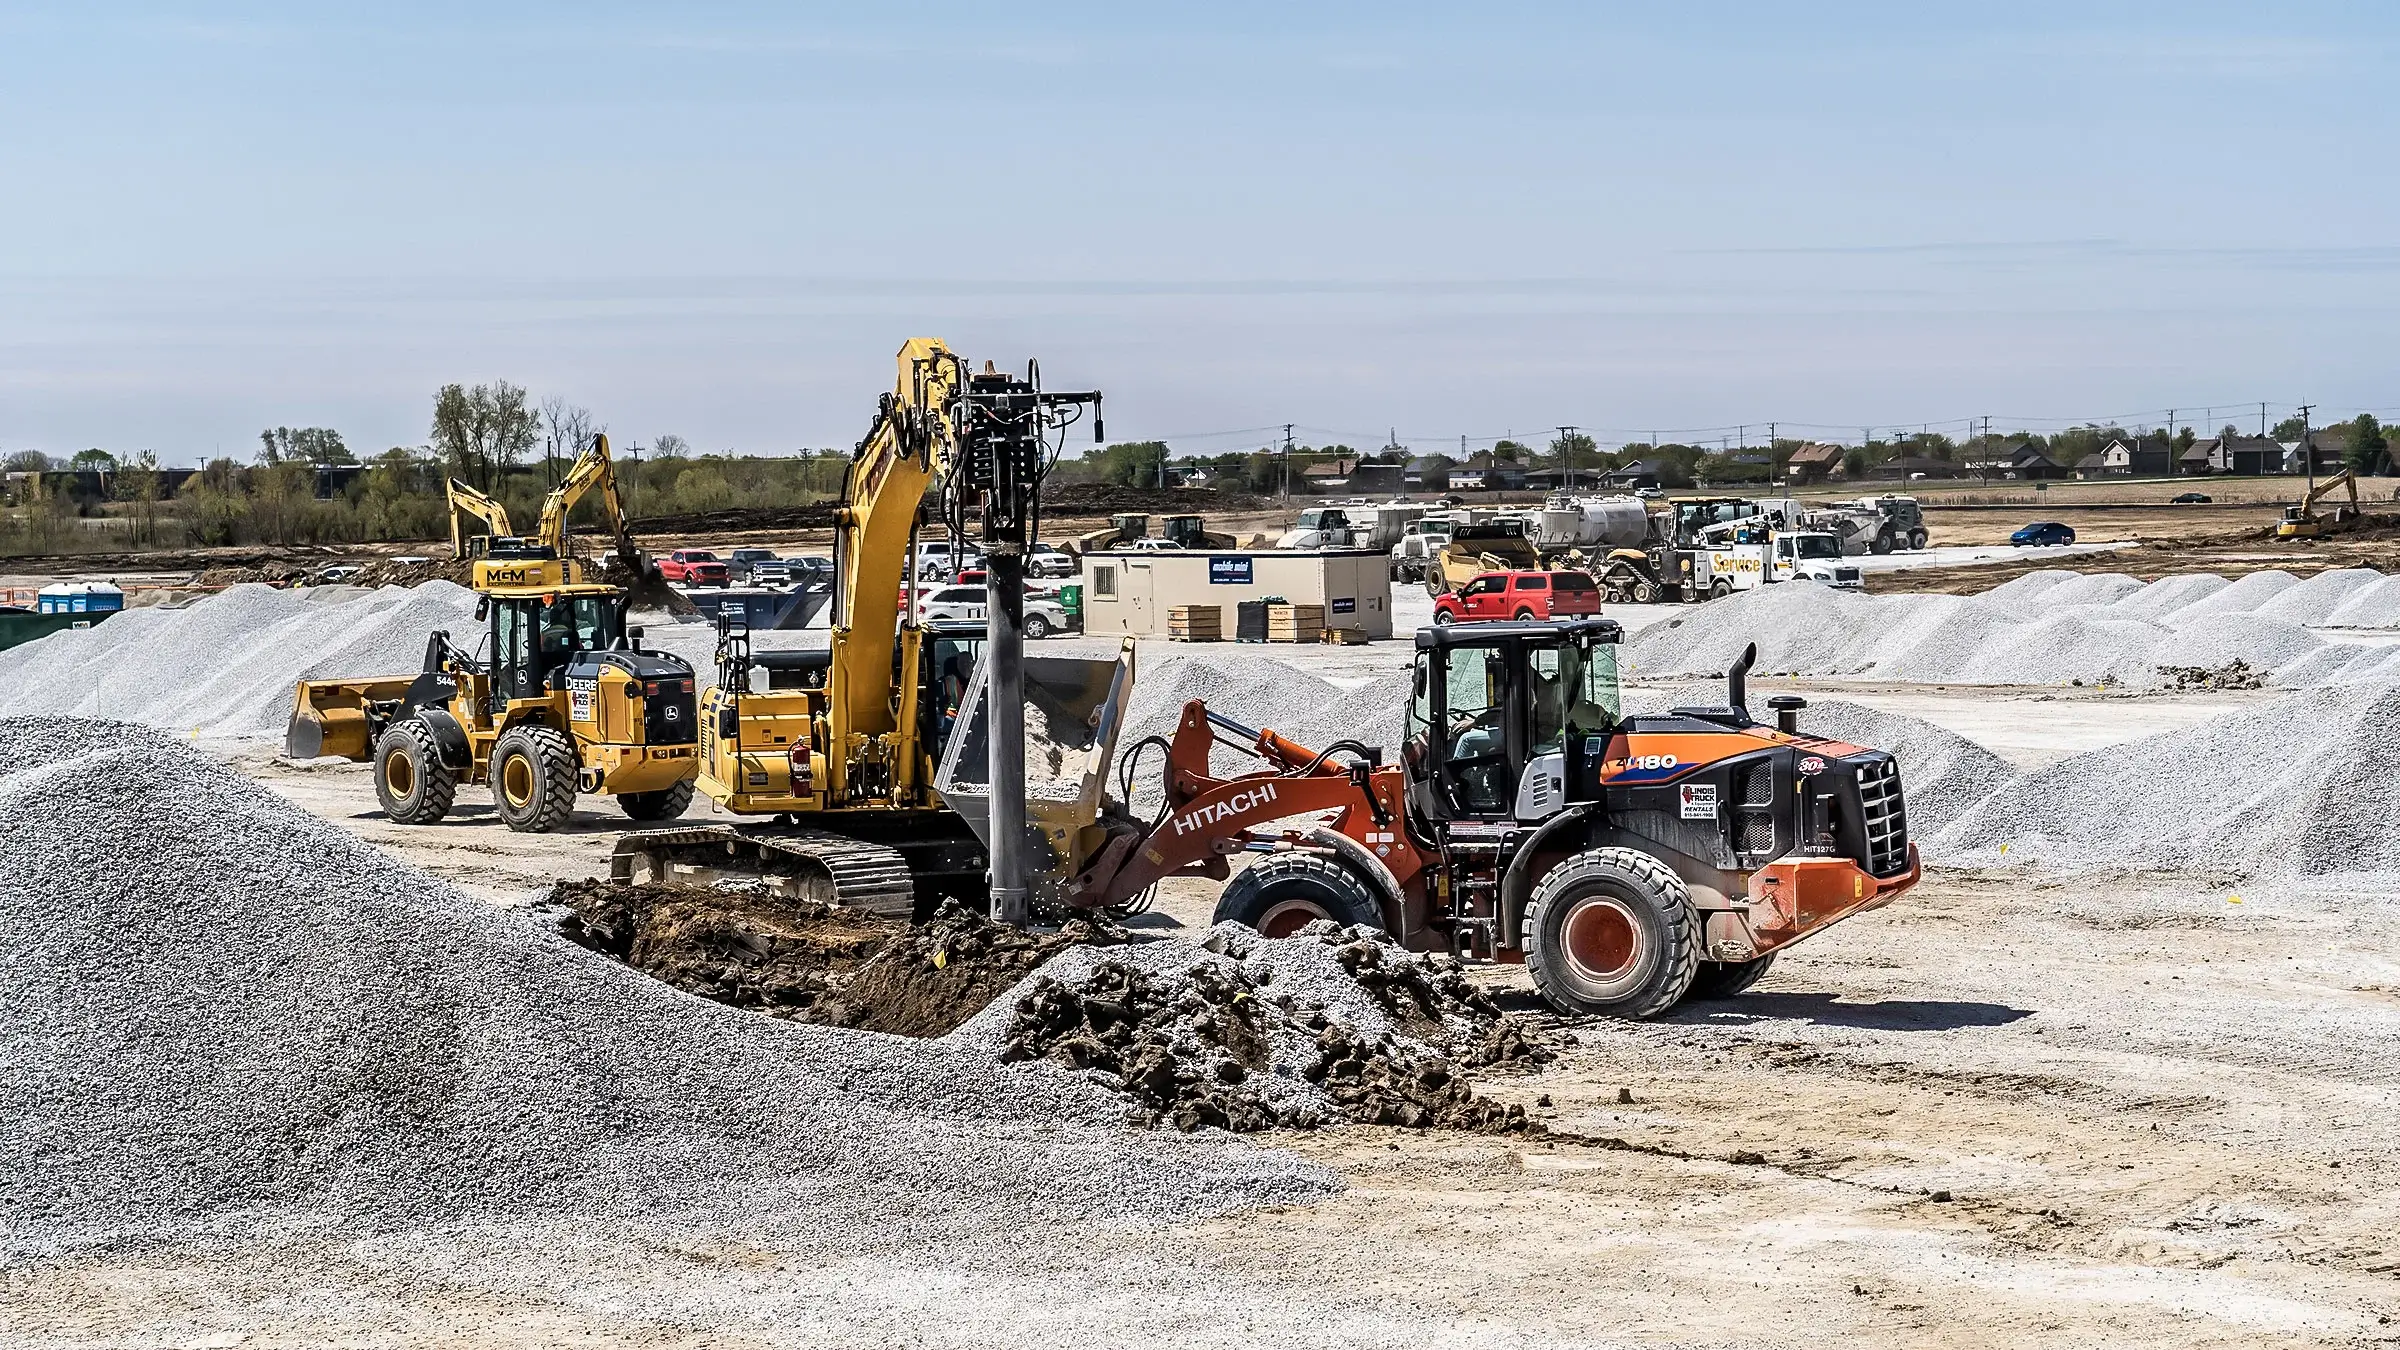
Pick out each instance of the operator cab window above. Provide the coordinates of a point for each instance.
(1475, 765)
(1573, 692)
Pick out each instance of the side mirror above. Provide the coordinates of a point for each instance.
(483, 608)
(729, 723)
(634, 636)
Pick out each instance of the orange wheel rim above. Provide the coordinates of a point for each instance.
(1602, 940)
(1286, 917)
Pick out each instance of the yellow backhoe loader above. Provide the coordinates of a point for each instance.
(566, 702)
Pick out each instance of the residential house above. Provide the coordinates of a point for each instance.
(1427, 473)
(1816, 462)
(1905, 467)
(2014, 459)
(1641, 473)
(2121, 458)
(1739, 467)
(1328, 474)
(2205, 457)
(1488, 473)
(2331, 445)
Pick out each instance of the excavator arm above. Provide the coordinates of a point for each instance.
(466, 504)
(593, 470)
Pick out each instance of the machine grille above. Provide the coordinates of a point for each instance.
(1886, 816)
(1758, 786)
(1757, 834)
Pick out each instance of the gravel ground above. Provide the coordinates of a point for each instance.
(224, 1015)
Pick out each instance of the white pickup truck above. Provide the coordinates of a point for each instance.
(1752, 559)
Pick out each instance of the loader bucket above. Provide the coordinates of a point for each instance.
(330, 717)
(1074, 707)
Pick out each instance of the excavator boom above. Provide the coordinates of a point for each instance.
(467, 504)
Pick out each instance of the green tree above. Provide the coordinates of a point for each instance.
(1512, 452)
(2364, 447)
(1854, 462)
(484, 431)
(94, 460)
(27, 461)
(2290, 428)
(1130, 464)
(1575, 452)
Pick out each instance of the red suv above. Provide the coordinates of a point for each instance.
(1520, 595)
(695, 567)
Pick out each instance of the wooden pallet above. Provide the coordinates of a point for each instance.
(1295, 623)
(1196, 623)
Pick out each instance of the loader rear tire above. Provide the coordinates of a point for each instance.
(411, 781)
(533, 778)
(1725, 979)
(1281, 895)
(1611, 932)
(664, 804)
(1917, 539)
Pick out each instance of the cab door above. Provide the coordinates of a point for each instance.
(515, 673)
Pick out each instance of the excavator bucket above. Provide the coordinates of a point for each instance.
(1074, 708)
(329, 717)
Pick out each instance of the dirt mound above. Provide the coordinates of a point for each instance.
(809, 962)
(749, 948)
(394, 572)
(1243, 1034)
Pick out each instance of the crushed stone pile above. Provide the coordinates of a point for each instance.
(2045, 628)
(1239, 1032)
(224, 667)
(222, 1014)
(2302, 787)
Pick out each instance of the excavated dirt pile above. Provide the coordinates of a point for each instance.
(808, 962)
(1243, 1033)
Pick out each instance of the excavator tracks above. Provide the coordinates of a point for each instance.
(826, 866)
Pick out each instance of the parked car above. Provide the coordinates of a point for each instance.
(808, 569)
(2043, 533)
(754, 567)
(1151, 543)
(1046, 560)
(1043, 614)
(1520, 595)
(2190, 499)
(935, 563)
(695, 567)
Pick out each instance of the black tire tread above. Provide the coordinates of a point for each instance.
(1642, 872)
(1245, 897)
(1726, 979)
(664, 804)
(437, 782)
(553, 758)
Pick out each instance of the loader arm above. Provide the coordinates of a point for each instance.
(466, 504)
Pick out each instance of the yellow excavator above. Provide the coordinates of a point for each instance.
(2305, 521)
(566, 703)
(842, 746)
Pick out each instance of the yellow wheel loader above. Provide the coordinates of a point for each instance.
(564, 701)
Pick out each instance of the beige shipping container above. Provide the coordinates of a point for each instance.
(1127, 591)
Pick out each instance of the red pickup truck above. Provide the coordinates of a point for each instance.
(1520, 595)
(695, 567)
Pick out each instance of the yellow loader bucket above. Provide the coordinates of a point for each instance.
(329, 717)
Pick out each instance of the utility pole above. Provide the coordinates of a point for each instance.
(2262, 419)
(2308, 453)
(1287, 462)
(1566, 458)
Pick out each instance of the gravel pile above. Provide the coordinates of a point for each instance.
(2302, 787)
(2046, 628)
(224, 666)
(1239, 1032)
(221, 1013)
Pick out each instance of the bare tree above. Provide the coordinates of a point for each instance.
(485, 431)
(567, 431)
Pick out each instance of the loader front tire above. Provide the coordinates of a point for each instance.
(533, 778)
(413, 784)
(664, 804)
(1281, 895)
(1611, 932)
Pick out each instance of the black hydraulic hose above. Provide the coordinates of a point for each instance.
(1125, 766)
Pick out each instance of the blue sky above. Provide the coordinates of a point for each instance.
(721, 220)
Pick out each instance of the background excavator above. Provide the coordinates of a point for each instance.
(567, 702)
(2305, 521)
(841, 748)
